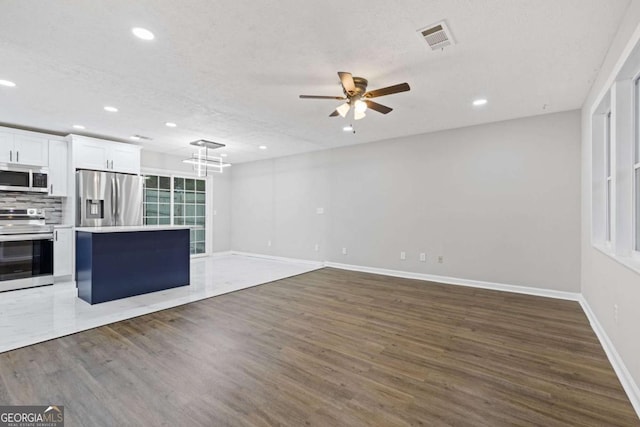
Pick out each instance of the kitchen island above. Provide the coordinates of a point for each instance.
(119, 262)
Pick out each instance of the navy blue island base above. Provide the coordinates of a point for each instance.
(121, 264)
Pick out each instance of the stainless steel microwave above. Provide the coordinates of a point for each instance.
(23, 178)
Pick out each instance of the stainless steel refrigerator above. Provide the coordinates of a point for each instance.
(108, 199)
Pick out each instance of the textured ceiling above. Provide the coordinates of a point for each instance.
(231, 71)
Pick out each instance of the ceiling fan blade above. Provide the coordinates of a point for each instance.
(321, 97)
(378, 107)
(402, 87)
(334, 114)
(347, 82)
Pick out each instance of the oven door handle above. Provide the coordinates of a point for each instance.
(19, 237)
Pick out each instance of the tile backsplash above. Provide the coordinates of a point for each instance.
(51, 205)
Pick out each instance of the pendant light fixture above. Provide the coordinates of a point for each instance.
(201, 160)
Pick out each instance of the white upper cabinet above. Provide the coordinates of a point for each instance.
(89, 154)
(95, 154)
(125, 158)
(6, 147)
(24, 149)
(58, 169)
(31, 150)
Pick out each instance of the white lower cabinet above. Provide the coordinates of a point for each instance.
(62, 251)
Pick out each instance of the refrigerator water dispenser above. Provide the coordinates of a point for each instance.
(95, 209)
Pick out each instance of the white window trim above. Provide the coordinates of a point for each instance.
(635, 252)
(620, 94)
(609, 184)
(635, 245)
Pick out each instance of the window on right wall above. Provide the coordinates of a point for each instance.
(615, 166)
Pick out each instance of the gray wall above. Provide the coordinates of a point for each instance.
(499, 202)
(605, 282)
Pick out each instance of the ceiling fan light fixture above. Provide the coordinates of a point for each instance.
(343, 109)
(360, 106)
(357, 96)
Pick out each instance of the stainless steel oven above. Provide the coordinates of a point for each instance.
(26, 249)
(23, 178)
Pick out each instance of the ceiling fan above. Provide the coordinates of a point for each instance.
(356, 96)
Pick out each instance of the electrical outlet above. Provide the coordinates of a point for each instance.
(344, 251)
(320, 211)
(423, 257)
(317, 247)
(269, 243)
(403, 255)
(615, 313)
(440, 259)
(215, 212)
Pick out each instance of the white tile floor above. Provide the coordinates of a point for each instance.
(34, 315)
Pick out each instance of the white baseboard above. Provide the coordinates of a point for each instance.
(220, 254)
(318, 264)
(549, 293)
(629, 385)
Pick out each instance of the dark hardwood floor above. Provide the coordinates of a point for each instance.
(331, 348)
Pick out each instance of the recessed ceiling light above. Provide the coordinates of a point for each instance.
(111, 109)
(223, 154)
(347, 128)
(143, 33)
(263, 147)
(7, 83)
(171, 124)
(135, 137)
(479, 102)
(78, 127)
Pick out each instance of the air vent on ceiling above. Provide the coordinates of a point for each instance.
(437, 36)
(142, 137)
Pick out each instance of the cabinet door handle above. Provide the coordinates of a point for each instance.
(112, 164)
(17, 156)
(51, 190)
(11, 155)
(56, 235)
(107, 164)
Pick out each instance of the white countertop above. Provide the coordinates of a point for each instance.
(114, 229)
